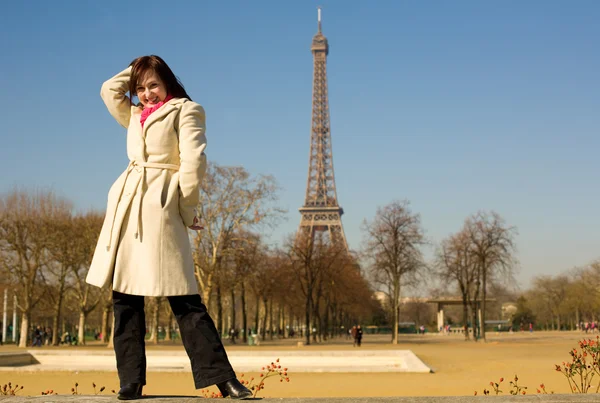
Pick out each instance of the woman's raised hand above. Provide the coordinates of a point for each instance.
(195, 226)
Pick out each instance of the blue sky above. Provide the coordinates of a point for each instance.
(456, 106)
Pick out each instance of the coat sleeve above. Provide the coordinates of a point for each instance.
(113, 93)
(192, 143)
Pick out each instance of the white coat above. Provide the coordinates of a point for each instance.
(144, 246)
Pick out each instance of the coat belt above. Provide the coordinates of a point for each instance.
(140, 189)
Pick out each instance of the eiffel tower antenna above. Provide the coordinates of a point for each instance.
(321, 212)
(319, 17)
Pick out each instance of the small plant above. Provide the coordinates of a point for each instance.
(74, 390)
(273, 369)
(496, 386)
(9, 390)
(584, 365)
(516, 388)
(210, 395)
(542, 390)
(101, 389)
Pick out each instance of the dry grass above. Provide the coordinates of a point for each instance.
(460, 369)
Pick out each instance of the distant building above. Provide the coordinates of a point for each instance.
(509, 309)
(383, 298)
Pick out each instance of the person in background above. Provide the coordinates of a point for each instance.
(359, 335)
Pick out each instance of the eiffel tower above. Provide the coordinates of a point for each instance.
(321, 212)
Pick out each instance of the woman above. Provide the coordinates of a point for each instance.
(144, 248)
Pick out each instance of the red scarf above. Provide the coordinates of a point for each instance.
(148, 111)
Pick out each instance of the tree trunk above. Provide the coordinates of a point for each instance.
(155, 320)
(56, 318)
(263, 332)
(256, 317)
(325, 330)
(220, 320)
(284, 330)
(483, 302)
(169, 327)
(316, 325)
(111, 341)
(233, 318)
(24, 330)
(104, 327)
(244, 312)
(280, 330)
(396, 303)
(334, 323)
(81, 331)
(308, 312)
(466, 319)
(474, 320)
(271, 319)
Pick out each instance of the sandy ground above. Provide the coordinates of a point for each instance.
(460, 369)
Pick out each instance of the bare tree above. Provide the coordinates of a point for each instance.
(230, 200)
(494, 248)
(63, 259)
(107, 307)
(310, 256)
(263, 283)
(392, 246)
(25, 219)
(553, 292)
(349, 295)
(87, 296)
(247, 250)
(456, 264)
(154, 303)
(585, 292)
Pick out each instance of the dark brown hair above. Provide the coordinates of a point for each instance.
(144, 64)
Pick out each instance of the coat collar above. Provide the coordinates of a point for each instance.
(164, 110)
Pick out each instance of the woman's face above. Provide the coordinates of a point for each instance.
(151, 90)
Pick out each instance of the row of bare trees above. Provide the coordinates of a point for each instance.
(309, 282)
(563, 301)
(45, 251)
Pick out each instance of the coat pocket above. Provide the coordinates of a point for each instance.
(170, 193)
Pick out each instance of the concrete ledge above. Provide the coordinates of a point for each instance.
(433, 399)
(17, 359)
(358, 360)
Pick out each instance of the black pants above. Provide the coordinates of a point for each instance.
(201, 340)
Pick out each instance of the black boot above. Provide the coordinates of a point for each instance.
(131, 391)
(234, 389)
